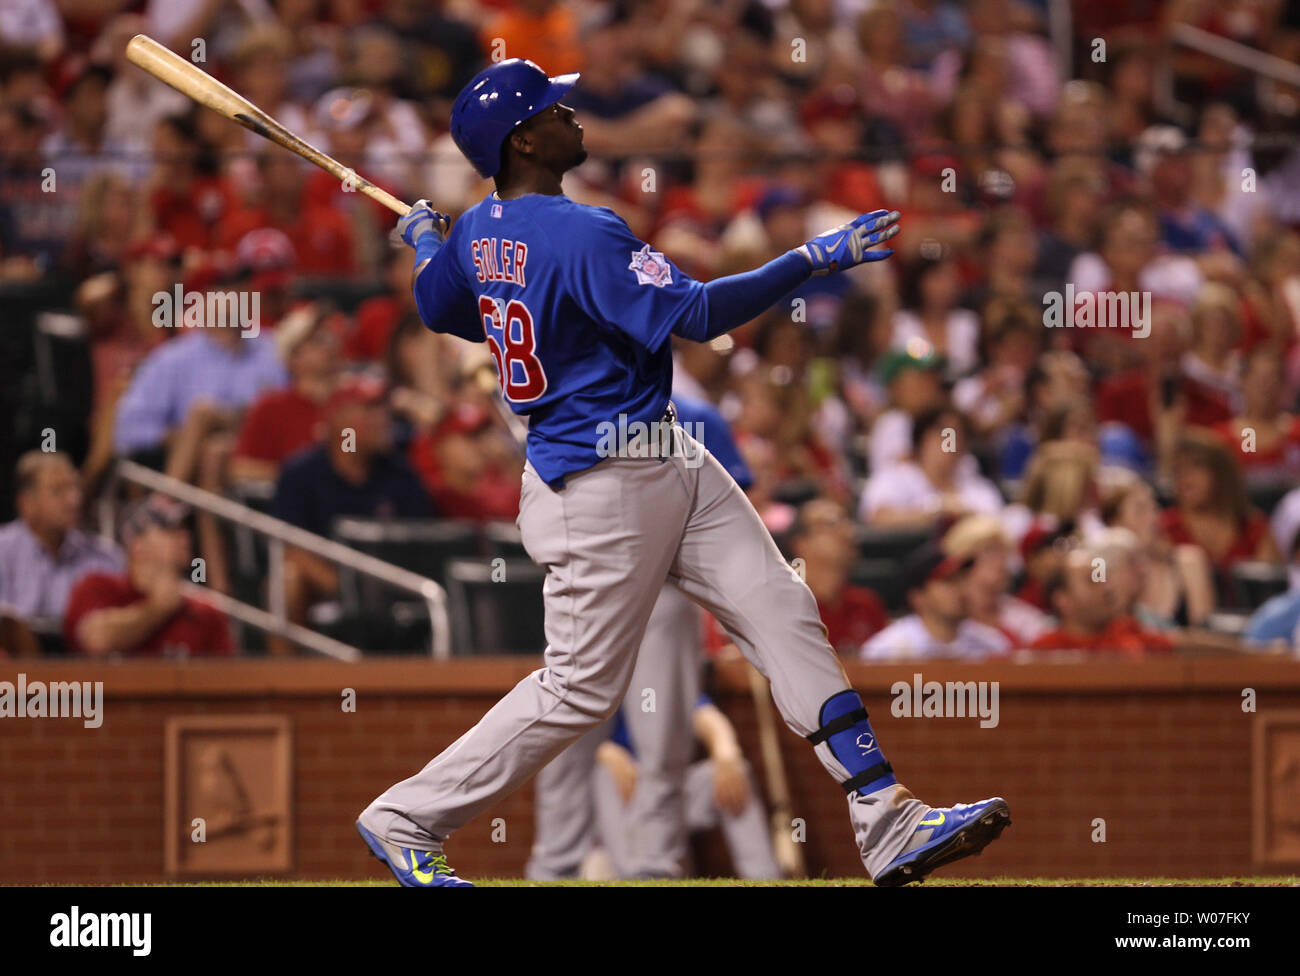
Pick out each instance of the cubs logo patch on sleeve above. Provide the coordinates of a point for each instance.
(651, 268)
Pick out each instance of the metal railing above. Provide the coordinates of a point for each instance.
(280, 534)
(1259, 63)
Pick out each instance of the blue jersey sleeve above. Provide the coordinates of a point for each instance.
(622, 283)
(443, 297)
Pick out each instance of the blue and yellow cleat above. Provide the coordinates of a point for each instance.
(412, 868)
(947, 834)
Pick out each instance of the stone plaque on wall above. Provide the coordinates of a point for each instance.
(229, 788)
(1276, 802)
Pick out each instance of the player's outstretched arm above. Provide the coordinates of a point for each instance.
(737, 299)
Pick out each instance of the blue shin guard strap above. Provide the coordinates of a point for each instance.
(878, 771)
(847, 731)
(845, 721)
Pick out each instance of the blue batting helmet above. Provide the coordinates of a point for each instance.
(496, 100)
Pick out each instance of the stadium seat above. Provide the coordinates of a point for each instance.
(890, 544)
(1254, 581)
(503, 539)
(495, 609)
(421, 545)
(885, 577)
(344, 293)
(1265, 495)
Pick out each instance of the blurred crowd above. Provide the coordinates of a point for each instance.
(954, 475)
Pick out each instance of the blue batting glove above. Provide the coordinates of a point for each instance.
(846, 245)
(422, 220)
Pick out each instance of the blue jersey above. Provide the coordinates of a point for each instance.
(576, 311)
(705, 423)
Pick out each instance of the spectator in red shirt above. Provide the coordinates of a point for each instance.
(1211, 509)
(144, 612)
(282, 422)
(1092, 613)
(188, 197)
(823, 540)
(1264, 436)
(466, 469)
(377, 317)
(322, 236)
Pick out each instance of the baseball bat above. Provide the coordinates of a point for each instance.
(788, 854)
(193, 82)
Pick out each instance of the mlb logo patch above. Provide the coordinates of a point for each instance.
(651, 268)
(496, 210)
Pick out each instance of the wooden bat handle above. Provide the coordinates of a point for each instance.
(194, 82)
(788, 854)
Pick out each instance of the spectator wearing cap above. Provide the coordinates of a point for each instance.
(939, 625)
(355, 472)
(144, 612)
(43, 554)
(346, 117)
(940, 479)
(913, 379)
(465, 467)
(282, 422)
(1042, 550)
(983, 540)
(1091, 605)
(1164, 158)
(822, 538)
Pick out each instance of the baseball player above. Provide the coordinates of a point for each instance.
(576, 312)
(668, 667)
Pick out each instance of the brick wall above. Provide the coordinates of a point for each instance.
(1161, 750)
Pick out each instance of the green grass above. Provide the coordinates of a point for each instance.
(1280, 881)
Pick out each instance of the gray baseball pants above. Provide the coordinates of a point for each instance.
(608, 540)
